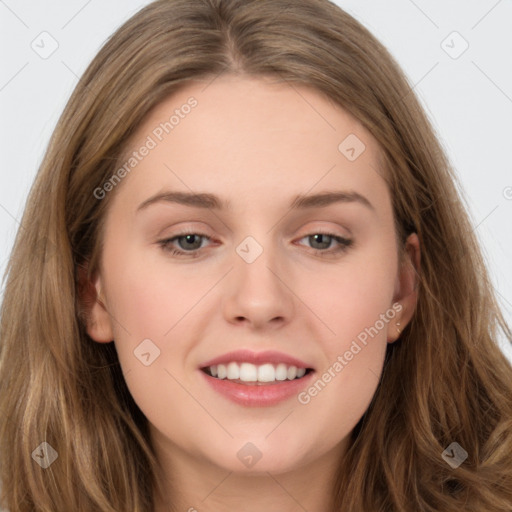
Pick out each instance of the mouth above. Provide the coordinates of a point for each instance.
(257, 379)
(256, 375)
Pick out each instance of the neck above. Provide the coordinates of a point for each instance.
(193, 484)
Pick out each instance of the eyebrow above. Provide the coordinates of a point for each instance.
(206, 200)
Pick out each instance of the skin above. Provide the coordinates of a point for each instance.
(257, 144)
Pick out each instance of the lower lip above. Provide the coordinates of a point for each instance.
(258, 395)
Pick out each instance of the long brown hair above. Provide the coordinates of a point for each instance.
(447, 377)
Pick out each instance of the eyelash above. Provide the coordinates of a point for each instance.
(344, 245)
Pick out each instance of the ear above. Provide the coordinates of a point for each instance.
(94, 312)
(406, 287)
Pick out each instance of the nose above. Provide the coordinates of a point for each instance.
(259, 293)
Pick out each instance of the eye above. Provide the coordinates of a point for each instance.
(190, 242)
(323, 241)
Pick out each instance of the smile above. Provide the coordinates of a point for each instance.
(249, 373)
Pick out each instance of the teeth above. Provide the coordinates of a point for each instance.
(266, 373)
(291, 373)
(281, 371)
(222, 372)
(247, 372)
(233, 371)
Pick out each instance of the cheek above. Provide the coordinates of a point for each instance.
(355, 303)
(358, 312)
(146, 296)
(342, 393)
(146, 305)
(352, 296)
(141, 306)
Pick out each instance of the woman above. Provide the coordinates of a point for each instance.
(330, 344)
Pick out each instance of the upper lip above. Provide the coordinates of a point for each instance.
(256, 358)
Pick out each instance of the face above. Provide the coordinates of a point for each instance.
(263, 275)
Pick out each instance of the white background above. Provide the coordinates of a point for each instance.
(469, 99)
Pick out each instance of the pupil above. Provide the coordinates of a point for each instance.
(320, 235)
(190, 239)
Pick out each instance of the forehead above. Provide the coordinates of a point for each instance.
(235, 137)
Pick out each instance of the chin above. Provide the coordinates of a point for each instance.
(254, 458)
